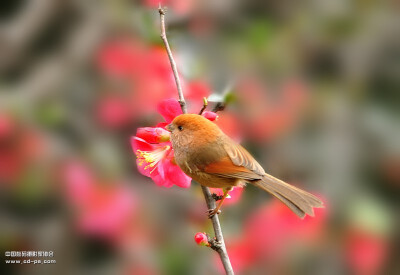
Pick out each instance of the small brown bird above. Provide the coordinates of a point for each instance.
(211, 158)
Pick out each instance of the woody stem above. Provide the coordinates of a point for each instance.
(207, 195)
(171, 60)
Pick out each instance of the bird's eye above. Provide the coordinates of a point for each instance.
(180, 128)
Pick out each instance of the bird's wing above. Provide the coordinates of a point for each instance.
(238, 163)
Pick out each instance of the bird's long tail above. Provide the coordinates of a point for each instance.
(299, 201)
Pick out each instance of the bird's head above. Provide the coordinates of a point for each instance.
(192, 129)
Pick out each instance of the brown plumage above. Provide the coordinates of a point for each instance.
(211, 158)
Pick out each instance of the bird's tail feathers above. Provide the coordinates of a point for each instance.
(299, 201)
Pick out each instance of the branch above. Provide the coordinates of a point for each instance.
(219, 107)
(219, 244)
(205, 104)
(220, 247)
(171, 59)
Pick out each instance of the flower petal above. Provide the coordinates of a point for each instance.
(141, 168)
(159, 179)
(175, 175)
(140, 144)
(162, 124)
(153, 134)
(169, 109)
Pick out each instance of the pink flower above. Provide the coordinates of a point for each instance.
(181, 7)
(269, 232)
(195, 92)
(229, 124)
(6, 126)
(169, 109)
(283, 226)
(120, 57)
(153, 134)
(155, 157)
(157, 162)
(143, 75)
(20, 147)
(267, 117)
(201, 239)
(113, 111)
(101, 210)
(366, 252)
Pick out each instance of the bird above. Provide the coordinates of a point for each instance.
(207, 155)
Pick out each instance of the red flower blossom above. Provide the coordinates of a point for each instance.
(195, 92)
(155, 158)
(157, 162)
(270, 231)
(201, 239)
(6, 126)
(20, 147)
(143, 76)
(366, 252)
(181, 7)
(153, 134)
(265, 117)
(113, 111)
(102, 210)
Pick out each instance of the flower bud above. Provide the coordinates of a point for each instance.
(201, 239)
(153, 134)
(210, 115)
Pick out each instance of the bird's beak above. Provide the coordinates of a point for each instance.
(169, 127)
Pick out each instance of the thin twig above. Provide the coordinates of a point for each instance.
(171, 59)
(223, 254)
(205, 104)
(220, 106)
(219, 244)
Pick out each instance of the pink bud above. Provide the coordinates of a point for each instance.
(153, 134)
(210, 115)
(201, 239)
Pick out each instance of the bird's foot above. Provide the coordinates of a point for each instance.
(212, 212)
(217, 197)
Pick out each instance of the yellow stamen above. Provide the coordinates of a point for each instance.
(151, 158)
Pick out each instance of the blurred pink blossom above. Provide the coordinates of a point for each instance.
(143, 75)
(20, 147)
(195, 91)
(101, 210)
(366, 252)
(6, 126)
(269, 231)
(266, 117)
(181, 7)
(113, 111)
(229, 124)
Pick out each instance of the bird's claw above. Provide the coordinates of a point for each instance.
(216, 197)
(212, 212)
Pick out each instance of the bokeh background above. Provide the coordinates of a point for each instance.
(312, 90)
